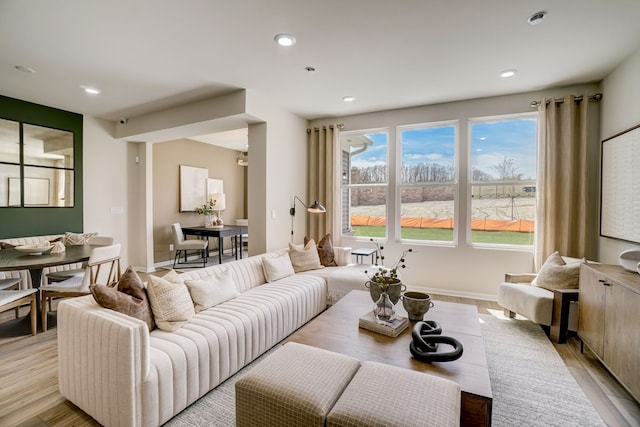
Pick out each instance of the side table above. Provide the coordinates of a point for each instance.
(363, 252)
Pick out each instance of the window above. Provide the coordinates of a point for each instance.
(36, 166)
(364, 160)
(427, 182)
(503, 180)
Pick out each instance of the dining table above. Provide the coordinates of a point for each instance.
(234, 231)
(12, 259)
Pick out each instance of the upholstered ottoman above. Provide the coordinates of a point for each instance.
(386, 396)
(297, 385)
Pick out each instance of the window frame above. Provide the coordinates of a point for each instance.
(348, 186)
(471, 183)
(399, 185)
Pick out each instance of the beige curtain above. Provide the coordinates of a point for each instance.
(321, 164)
(561, 217)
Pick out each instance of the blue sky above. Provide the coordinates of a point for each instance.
(490, 143)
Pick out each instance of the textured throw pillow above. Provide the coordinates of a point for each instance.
(128, 297)
(304, 258)
(325, 251)
(277, 267)
(75, 239)
(171, 303)
(173, 277)
(556, 274)
(212, 290)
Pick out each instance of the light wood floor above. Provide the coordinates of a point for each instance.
(29, 395)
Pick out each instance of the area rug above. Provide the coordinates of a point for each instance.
(531, 384)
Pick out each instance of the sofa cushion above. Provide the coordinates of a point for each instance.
(74, 239)
(276, 268)
(325, 251)
(556, 274)
(304, 257)
(128, 297)
(212, 291)
(171, 303)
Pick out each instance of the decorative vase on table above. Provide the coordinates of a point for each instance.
(209, 220)
(384, 308)
(393, 287)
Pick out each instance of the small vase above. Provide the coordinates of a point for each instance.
(209, 221)
(384, 308)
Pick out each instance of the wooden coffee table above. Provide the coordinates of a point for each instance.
(336, 329)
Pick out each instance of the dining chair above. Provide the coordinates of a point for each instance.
(11, 283)
(15, 298)
(60, 275)
(182, 245)
(102, 268)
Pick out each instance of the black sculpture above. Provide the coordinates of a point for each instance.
(424, 346)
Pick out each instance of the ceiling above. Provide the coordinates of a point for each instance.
(149, 55)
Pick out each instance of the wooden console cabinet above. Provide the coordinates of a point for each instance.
(609, 320)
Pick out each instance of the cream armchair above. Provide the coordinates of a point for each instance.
(554, 309)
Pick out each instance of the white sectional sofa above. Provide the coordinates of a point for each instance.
(121, 374)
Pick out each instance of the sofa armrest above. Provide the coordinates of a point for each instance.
(342, 255)
(519, 277)
(106, 352)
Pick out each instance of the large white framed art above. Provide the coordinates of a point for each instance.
(193, 187)
(620, 186)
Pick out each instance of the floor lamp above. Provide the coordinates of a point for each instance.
(315, 207)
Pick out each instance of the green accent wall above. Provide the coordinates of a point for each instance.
(37, 221)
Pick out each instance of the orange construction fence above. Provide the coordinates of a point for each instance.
(519, 225)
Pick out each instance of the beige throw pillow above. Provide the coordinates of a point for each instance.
(304, 258)
(556, 274)
(212, 290)
(276, 268)
(76, 239)
(171, 303)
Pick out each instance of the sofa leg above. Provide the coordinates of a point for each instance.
(510, 314)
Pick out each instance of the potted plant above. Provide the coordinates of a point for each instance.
(384, 284)
(208, 210)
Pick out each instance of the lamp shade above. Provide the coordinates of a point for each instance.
(316, 207)
(218, 200)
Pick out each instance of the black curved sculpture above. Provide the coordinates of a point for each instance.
(424, 346)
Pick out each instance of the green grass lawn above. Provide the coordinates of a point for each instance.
(441, 235)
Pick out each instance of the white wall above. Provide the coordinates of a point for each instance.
(285, 166)
(461, 270)
(105, 180)
(620, 111)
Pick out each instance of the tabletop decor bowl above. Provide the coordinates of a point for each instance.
(35, 249)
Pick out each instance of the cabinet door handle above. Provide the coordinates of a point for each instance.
(604, 282)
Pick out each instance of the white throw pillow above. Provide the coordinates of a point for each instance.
(173, 277)
(170, 302)
(212, 290)
(277, 267)
(304, 258)
(556, 274)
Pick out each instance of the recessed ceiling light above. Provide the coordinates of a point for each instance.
(24, 69)
(348, 98)
(508, 73)
(91, 90)
(536, 18)
(284, 39)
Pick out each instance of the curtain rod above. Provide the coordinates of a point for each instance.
(595, 97)
(339, 126)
